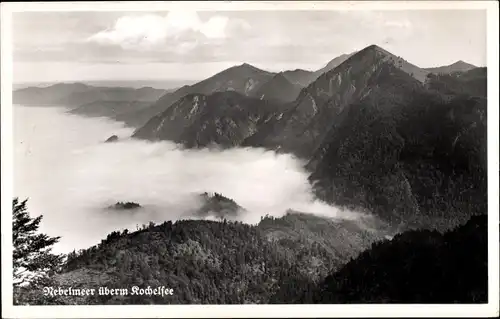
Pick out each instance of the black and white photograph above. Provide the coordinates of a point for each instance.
(248, 153)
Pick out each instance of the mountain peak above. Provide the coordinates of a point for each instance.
(248, 66)
(463, 63)
(378, 49)
(459, 66)
(373, 47)
(373, 53)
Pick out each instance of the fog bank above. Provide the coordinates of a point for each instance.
(70, 175)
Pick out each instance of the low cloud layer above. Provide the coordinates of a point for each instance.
(71, 176)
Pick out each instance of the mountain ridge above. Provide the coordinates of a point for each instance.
(459, 66)
(243, 78)
(305, 77)
(317, 104)
(198, 120)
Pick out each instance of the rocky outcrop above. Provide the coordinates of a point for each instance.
(222, 118)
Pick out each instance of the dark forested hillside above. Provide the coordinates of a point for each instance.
(383, 135)
(410, 156)
(218, 262)
(419, 266)
(298, 258)
(219, 206)
(472, 82)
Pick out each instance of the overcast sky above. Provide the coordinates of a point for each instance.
(73, 46)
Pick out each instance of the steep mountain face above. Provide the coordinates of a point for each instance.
(459, 66)
(411, 156)
(303, 127)
(222, 118)
(244, 79)
(332, 64)
(415, 267)
(279, 89)
(77, 94)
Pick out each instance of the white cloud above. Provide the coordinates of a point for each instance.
(399, 23)
(215, 27)
(146, 31)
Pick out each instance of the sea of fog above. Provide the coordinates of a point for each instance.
(71, 176)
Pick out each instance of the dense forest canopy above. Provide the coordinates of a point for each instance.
(293, 259)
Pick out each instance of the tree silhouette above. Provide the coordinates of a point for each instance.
(32, 257)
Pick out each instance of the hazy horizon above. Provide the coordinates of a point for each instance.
(157, 84)
(183, 44)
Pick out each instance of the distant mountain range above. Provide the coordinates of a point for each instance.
(89, 100)
(168, 85)
(459, 66)
(378, 132)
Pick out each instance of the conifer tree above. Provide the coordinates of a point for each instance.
(32, 256)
